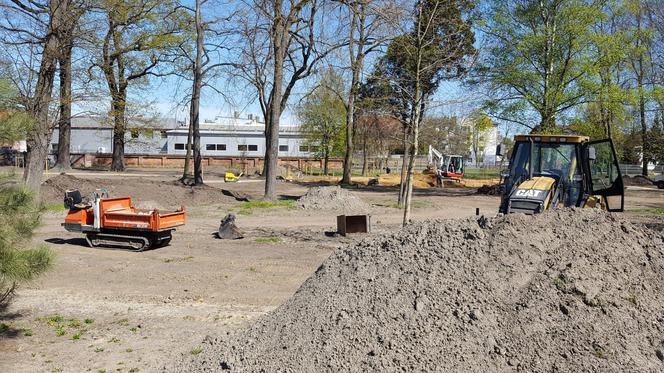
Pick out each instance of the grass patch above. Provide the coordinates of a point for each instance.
(288, 203)
(652, 211)
(268, 240)
(76, 336)
(89, 321)
(54, 320)
(413, 205)
(27, 332)
(60, 331)
(73, 323)
(123, 322)
(99, 349)
(481, 173)
(196, 351)
(244, 212)
(54, 207)
(178, 259)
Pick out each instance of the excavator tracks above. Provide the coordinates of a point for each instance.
(129, 241)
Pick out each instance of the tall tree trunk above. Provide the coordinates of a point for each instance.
(39, 137)
(644, 130)
(365, 158)
(280, 45)
(196, 96)
(326, 159)
(404, 163)
(186, 173)
(64, 122)
(119, 130)
(356, 64)
(415, 129)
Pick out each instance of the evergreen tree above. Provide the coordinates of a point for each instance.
(19, 214)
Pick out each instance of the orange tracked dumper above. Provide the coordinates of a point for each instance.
(116, 222)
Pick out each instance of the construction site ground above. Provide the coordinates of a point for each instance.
(108, 310)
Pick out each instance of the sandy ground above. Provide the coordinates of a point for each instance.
(106, 310)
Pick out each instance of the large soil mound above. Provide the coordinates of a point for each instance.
(146, 193)
(570, 290)
(331, 198)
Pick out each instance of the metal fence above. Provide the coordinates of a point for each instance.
(637, 169)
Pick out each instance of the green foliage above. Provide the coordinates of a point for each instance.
(655, 138)
(15, 122)
(323, 116)
(18, 218)
(540, 59)
(437, 48)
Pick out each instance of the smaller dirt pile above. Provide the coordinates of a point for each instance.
(637, 180)
(332, 198)
(491, 190)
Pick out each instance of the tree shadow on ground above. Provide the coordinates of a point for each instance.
(8, 331)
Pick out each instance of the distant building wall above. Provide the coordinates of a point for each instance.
(228, 137)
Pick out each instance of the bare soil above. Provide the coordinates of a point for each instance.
(149, 310)
(515, 293)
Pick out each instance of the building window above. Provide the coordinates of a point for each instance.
(253, 148)
(217, 147)
(163, 134)
(134, 133)
(283, 148)
(179, 146)
(304, 148)
(242, 148)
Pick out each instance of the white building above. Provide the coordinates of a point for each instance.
(239, 137)
(223, 136)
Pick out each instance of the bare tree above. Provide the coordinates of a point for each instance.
(42, 23)
(281, 46)
(135, 41)
(67, 37)
(201, 65)
(371, 26)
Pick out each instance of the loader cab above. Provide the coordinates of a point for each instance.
(568, 170)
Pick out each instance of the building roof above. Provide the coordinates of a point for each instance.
(104, 122)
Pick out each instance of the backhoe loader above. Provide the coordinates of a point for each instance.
(552, 171)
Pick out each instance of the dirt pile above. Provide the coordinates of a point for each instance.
(145, 193)
(569, 290)
(637, 180)
(491, 189)
(332, 198)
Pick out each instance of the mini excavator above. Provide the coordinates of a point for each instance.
(552, 171)
(446, 167)
(116, 222)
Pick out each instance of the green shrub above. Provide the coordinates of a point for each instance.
(19, 216)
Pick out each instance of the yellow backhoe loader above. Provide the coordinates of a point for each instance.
(551, 171)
